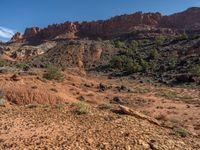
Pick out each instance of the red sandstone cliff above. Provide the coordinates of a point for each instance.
(188, 19)
(115, 26)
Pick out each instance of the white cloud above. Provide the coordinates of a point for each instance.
(6, 33)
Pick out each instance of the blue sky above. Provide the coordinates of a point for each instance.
(16, 15)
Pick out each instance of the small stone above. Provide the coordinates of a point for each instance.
(154, 146)
(102, 87)
(3, 70)
(89, 141)
(87, 85)
(15, 78)
(81, 98)
(144, 144)
(127, 147)
(2, 102)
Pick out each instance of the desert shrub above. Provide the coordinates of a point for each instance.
(195, 69)
(152, 65)
(143, 42)
(133, 45)
(159, 40)
(145, 65)
(64, 66)
(128, 52)
(142, 90)
(153, 54)
(180, 132)
(116, 62)
(120, 61)
(20, 64)
(60, 105)
(80, 108)
(172, 62)
(53, 73)
(23, 65)
(105, 106)
(125, 63)
(119, 44)
(3, 63)
(132, 67)
(44, 61)
(184, 36)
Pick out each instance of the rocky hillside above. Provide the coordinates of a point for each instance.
(84, 54)
(116, 27)
(141, 44)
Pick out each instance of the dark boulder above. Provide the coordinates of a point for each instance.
(119, 100)
(102, 87)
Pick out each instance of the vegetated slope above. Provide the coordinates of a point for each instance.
(169, 60)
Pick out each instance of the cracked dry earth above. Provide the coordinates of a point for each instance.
(49, 127)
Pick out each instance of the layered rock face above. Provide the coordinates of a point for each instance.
(188, 20)
(115, 26)
(65, 30)
(120, 25)
(17, 37)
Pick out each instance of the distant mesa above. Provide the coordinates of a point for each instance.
(117, 26)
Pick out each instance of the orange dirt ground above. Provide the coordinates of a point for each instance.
(45, 126)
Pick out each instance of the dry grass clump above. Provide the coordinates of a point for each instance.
(80, 108)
